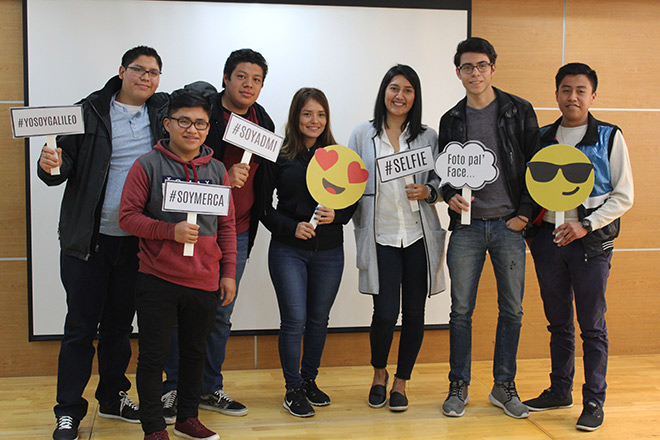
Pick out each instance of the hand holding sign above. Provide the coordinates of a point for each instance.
(48, 121)
(193, 198)
(405, 165)
(253, 139)
(559, 178)
(336, 177)
(467, 167)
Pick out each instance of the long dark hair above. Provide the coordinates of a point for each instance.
(414, 117)
(294, 143)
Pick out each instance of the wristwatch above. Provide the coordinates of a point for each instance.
(586, 224)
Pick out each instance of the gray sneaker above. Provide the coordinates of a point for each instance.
(219, 401)
(505, 396)
(455, 402)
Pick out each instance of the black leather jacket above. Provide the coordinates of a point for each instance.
(85, 165)
(518, 132)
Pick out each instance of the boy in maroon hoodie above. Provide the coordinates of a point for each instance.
(170, 286)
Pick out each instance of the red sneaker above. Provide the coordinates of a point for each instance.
(158, 435)
(193, 428)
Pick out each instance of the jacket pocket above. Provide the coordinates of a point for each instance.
(363, 237)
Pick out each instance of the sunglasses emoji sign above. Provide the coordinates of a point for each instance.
(336, 176)
(559, 177)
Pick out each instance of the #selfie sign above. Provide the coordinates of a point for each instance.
(467, 167)
(404, 165)
(195, 198)
(47, 121)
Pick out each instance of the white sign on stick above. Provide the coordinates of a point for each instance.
(253, 138)
(469, 166)
(44, 121)
(195, 198)
(201, 198)
(404, 164)
(47, 121)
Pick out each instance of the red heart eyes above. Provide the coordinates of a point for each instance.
(357, 174)
(326, 158)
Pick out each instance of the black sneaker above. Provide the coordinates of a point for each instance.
(378, 394)
(549, 399)
(315, 396)
(66, 428)
(169, 407)
(124, 409)
(591, 417)
(398, 402)
(219, 401)
(297, 404)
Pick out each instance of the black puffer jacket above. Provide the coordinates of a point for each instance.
(85, 165)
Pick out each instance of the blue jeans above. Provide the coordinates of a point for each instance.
(100, 298)
(465, 258)
(217, 342)
(306, 284)
(564, 276)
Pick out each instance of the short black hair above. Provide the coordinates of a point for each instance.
(577, 69)
(414, 117)
(476, 45)
(244, 56)
(132, 54)
(184, 98)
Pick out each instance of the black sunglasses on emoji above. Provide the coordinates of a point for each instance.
(573, 172)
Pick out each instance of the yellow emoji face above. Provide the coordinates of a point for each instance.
(336, 176)
(559, 177)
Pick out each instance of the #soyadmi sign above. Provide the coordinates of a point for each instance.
(252, 138)
(195, 198)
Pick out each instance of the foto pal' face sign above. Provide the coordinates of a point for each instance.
(469, 165)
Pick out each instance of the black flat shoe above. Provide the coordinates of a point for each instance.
(398, 402)
(378, 394)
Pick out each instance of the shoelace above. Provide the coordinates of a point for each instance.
(223, 396)
(510, 390)
(169, 399)
(161, 435)
(126, 401)
(591, 408)
(65, 422)
(456, 390)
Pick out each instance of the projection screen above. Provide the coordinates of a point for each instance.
(74, 46)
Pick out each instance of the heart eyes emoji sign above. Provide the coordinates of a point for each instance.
(336, 176)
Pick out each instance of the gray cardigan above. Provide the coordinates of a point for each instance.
(363, 141)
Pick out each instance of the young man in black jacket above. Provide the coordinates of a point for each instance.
(98, 260)
(244, 75)
(507, 125)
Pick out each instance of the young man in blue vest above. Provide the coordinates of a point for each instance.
(573, 261)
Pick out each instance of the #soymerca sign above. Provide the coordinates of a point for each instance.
(195, 198)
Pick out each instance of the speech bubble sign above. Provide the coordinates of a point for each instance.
(336, 176)
(559, 177)
(45, 121)
(253, 138)
(470, 164)
(404, 164)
